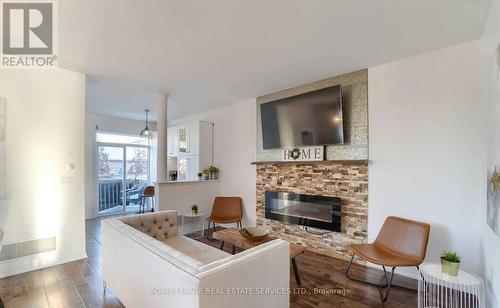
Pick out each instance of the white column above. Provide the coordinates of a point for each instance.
(161, 125)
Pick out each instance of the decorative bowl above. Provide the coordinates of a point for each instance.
(254, 233)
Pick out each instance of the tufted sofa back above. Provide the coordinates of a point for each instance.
(159, 225)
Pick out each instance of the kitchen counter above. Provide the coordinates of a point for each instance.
(186, 182)
(181, 195)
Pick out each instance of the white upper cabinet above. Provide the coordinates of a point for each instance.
(194, 138)
(205, 144)
(192, 143)
(172, 141)
(183, 139)
(186, 139)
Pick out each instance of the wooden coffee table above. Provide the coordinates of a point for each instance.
(232, 236)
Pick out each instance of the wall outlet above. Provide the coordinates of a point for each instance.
(70, 167)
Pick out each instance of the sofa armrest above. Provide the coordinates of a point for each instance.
(261, 273)
(138, 271)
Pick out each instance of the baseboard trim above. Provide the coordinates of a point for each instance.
(27, 248)
(35, 262)
(408, 272)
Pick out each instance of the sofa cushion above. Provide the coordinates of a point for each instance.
(205, 254)
(160, 225)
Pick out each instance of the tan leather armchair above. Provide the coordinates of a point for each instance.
(224, 211)
(400, 242)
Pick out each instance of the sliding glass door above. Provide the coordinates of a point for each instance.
(122, 173)
(136, 175)
(110, 179)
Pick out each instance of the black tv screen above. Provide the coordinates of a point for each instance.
(313, 118)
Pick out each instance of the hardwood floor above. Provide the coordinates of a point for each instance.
(74, 284)
(324, 284)
(79, 283)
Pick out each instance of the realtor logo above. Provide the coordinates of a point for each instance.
(28, 34)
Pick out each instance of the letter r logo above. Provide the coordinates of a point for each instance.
(27, 28)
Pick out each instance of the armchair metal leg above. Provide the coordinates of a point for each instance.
(418, 269)
(210, 238)
(385, 274)
(208, 230)
(296, 272)
(387, 285)
(349, 267)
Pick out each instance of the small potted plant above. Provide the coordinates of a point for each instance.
(214, 172)
(450, 262)
(206, 174)
(200, 175)
(194, 209)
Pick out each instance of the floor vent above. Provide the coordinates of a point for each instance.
(22, 249)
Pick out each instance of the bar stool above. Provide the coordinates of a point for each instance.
(149, 192)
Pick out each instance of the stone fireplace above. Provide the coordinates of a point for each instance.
(347, 181)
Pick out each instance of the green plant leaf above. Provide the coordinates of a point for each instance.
(451, 256)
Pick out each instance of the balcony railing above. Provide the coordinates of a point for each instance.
(111, 192)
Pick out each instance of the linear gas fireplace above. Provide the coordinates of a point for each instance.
(307, 210)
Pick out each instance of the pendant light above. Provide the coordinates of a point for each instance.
(146, 132)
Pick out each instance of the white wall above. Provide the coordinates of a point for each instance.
(489, 253)
(427, 147)
(180, 196)
(44, 133)
(234, 150)
(109, 125)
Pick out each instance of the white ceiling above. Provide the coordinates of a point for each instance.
(210, 53)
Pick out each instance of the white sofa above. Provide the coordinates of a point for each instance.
(146, 263)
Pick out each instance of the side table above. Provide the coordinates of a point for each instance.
(199, 216)
(436, 289)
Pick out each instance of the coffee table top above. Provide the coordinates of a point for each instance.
(233, 237)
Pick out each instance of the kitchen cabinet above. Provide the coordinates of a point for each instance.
(188, 166)
(172, 141)
(192, 144)
(183, 139)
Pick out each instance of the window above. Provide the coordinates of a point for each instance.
(123, 139)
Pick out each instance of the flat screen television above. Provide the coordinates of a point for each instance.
(308, 119)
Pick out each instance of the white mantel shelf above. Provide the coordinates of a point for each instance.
(186, 182)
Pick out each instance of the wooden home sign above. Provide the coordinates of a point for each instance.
(315, 153)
